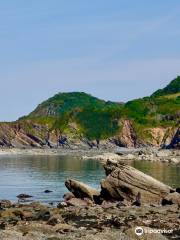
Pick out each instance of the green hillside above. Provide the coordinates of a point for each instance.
(99, 119)
(172, 88)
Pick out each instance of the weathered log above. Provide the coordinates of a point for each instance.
(124, 182)
(81, 190)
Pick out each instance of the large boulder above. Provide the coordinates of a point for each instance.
(124, 182)
(81, 190)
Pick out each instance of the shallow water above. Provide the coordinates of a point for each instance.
(35, 174)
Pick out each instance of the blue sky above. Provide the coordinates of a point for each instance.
(114, 49)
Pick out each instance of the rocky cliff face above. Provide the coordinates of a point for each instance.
(37, 135)
(78, 119)
(175, 143)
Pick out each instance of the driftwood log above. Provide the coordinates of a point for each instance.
(124, 182)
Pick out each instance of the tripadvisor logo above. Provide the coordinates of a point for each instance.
(139, 231)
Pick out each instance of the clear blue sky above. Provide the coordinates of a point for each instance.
(113, 49)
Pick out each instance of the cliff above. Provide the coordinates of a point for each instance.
(78, 119)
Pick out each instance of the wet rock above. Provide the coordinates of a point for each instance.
(81, 190)
(24, 196)
(48, 191)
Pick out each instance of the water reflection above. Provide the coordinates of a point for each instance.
(34, 174)
(169, 174)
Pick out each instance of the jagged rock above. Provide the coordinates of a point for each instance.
(127, 137)
(81, 190)
(124, 182)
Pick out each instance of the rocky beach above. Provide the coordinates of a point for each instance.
(128, 199)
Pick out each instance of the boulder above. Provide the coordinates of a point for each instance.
(24, 196)
(68, 196)
(81, 190)
(62, 205)
(124, 182)
(77, 202)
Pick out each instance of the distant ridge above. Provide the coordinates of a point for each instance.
(81, 117)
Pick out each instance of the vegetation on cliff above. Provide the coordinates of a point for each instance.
(80, 115)
(98, 119)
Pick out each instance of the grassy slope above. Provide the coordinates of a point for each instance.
(98, 119)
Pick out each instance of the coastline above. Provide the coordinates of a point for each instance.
(87, 213)
(39, 222)
(152, 154)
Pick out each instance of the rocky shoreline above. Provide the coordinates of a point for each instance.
(152, 154)
(141, 154)
(128, 199)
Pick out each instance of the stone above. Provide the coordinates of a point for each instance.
(63, 227)
(81, 190)
(55, 219)
(163, 153)
(68, 196)
(62, 205)
(5, 203)
(124, 182)
(48, 191)
(43, 214)
(77, 202)
(23, 196)
(174, 160)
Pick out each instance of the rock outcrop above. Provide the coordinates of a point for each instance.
(124, 182)
(81, 190)
(175, 143)
(127, 137)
